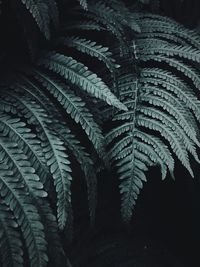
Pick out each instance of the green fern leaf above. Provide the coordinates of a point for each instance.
(79, 75)
(17, 198)
(10, 242)
(75, 107)
(84, 4)
(40, 13)
(55, 153)
(31, 146)
(53, 11)
(86, 165)
(91, 48)
(157, 101)
(88, 25)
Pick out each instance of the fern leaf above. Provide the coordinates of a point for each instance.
(39, 11)
(84, 4)
(75, 107)
(88, 25)
(53, 11)
(159, 48)
(158, 102)
(173, 84)
(11, 245)
(171, 105)
(55, 153)
(54, 247)
(176, 144)
(91, 48)
(103, 14)
(26, 215)
(86, 165)
(31, 146)
(155, 23)
(79, 75)
(188, 71)
(168, 121)
(15, 158)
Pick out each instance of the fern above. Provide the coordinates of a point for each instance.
(37, 154)
(21, 204)
(79, 75)
(158, 101)
(84, 3)
(92, 49)
(11, 245)
(75, 107)
(39, 11)
(54, 113)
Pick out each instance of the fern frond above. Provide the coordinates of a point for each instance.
(118, 14)
(159, 48)
(176, 143)
(31, 146)
(110, 20)
(171, 105)
(176, 86)
(10, 242)
(55, 152)
(86, 25)
(79, 75)
(84, 4)
(158, 102)
(75, 107)
(86, 165)
(151, 23)
(16, 159)
(54, 246)
(91, 48)
(53, 11)
(168, 121)
(40, 12)
(188, 71)
(16, 196)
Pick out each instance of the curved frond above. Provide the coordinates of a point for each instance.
(91, 48)
(79, 75)
(40, 12)
(10, 242)
(163, 110)
(75, 107)
(16, 196)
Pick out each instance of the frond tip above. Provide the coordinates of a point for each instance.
(78, 74)
(84, 4)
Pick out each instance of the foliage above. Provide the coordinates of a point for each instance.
(53, 112)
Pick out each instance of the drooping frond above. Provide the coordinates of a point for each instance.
(86, 164)
(112, 17)
(91, 48)
(78, 74)
(86, 25)
(114, 13)
(84, 4)
(53, 149)
(10, 242)
(31, 146)
(75, 107)
(40, 12)
(16, 196)
(163, 110)
(54, 113)
(53, 11)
